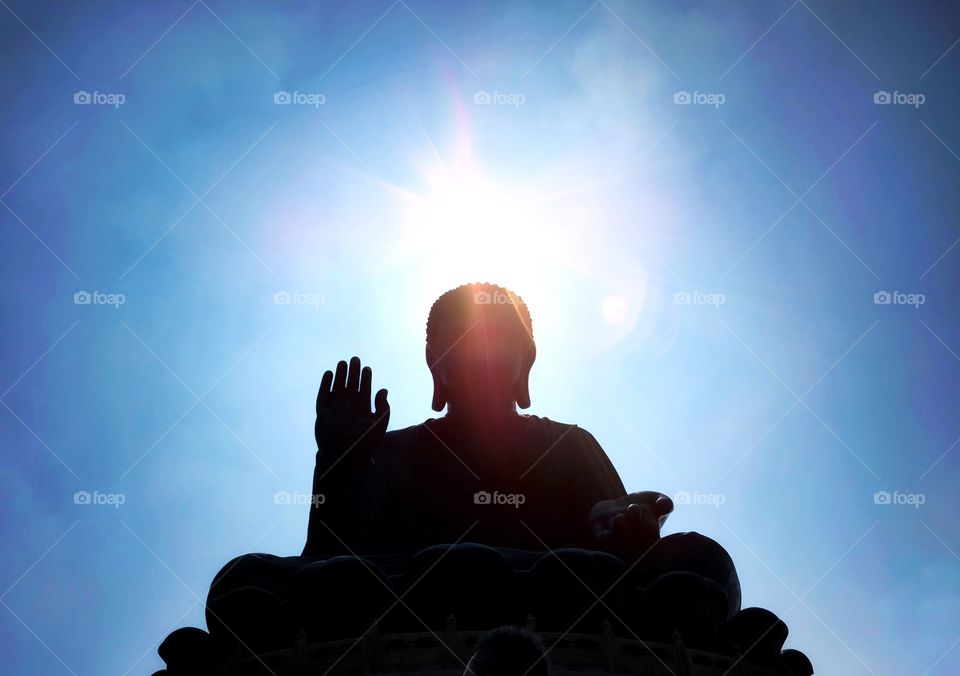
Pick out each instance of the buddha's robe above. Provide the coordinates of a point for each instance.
(427, 484)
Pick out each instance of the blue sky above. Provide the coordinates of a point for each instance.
(702, 276)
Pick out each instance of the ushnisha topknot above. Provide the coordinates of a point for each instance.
(455, 311)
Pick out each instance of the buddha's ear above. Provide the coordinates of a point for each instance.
(439, 391)
(523, 387)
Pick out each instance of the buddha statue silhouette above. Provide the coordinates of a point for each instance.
(483, 473)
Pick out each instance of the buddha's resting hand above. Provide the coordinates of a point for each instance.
(345, 424)
(630, 525)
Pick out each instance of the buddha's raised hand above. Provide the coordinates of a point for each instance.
(345, 423)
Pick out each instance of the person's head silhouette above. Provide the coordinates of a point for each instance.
(480, 350)
(508, 651)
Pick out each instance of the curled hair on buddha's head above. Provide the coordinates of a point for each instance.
(458, 310)
(455, 311)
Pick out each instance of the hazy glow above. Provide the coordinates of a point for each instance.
(470, 223)
(615, 309)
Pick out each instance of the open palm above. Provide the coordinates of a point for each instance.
(345, 424)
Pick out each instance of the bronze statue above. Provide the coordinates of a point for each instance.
(479, 519)
(482, 474)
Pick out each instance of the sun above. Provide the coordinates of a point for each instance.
(467, 223)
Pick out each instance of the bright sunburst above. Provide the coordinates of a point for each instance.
(468, 223)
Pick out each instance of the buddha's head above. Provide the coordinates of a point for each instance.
(480, 349)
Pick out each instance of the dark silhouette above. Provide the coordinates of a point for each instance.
(480, 518)
(508, 651)
(483, 472)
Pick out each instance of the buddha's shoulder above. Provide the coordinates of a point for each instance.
(572, 451)
(405, 437)
(568, 435)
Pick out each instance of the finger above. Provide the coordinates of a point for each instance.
(630, 522)
(366, 381)
(618, 526)
(639, 513)
(663, 506)
(323, 395)
(624, 515)
(382, 407)
(645, 521)
(339, 384)
(353, 376)
(644, 527)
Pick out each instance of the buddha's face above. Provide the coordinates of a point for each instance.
(485, 366)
